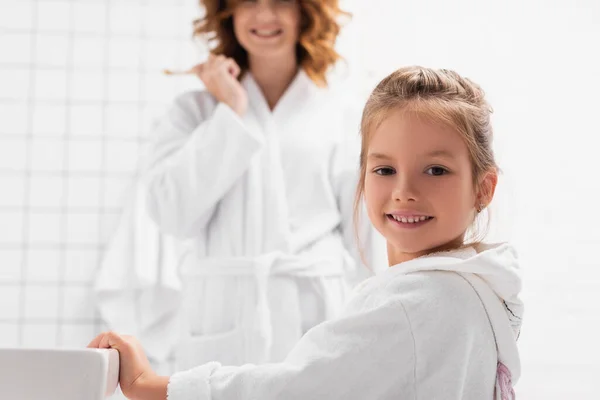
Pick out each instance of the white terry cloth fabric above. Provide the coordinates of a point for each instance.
(137, 289)
(430, 328)
(265, 202)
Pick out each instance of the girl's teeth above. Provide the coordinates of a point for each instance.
(410, 220)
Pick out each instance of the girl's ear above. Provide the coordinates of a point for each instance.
(487, 188)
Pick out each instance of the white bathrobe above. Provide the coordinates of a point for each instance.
(265, 205)
(431, 328)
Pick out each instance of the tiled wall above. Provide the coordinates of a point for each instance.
(80, 83)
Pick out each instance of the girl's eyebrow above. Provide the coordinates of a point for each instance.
(441, 153)
(379, 156)
(435, 153)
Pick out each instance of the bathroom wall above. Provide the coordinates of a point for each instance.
(81, 81)
(80, 84)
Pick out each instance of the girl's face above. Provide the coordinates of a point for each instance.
(419, 188)
(267, 28)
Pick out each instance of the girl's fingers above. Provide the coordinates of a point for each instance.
(105, 342)
(95, 342)
(108, 340)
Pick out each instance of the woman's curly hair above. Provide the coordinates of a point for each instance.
(315, 52)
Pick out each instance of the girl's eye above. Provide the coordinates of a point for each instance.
(384, 171)
(437, 171)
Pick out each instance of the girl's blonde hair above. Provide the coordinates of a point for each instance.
(443, 96)
(319, 29)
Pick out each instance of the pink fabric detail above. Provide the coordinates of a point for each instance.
(504, 383)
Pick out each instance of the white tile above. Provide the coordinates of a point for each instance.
(85, 156)
(52, 50)
(83, 228)
(49, 120)
(117, 190)
(14, 118)
(86, 120)
(53, 15)
(77, 335)
(40, 336)
(11, 262)
(161, 53)
(90, 17)
(125, 52)
(15, 48)
(124, 86)
(108, 226)
(13, 154)
(89, 52)
(151, 115)
(160, 20)
(46, 191)
(122, 120)
(11, 227)
(124, 17)
(13, 190)
(10, 298)
(192, 53)
(81, 265)
(43, 265)
(44, 228)
(9, 335)
(78, 303)
(84, 192)
(123, 156)
(50, 85)
(14, 83)
(16, 14)
(47, 155)
(88, 86)
(158, 87)
(41, 301)
(185, 13)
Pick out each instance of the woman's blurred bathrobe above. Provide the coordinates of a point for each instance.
(265, 205)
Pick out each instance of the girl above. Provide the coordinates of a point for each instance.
(442, 321)
(256, 174)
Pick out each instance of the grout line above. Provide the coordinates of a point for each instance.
(103, 145)
(27, 187)
(64, 209)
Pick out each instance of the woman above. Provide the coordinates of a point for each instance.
(255, 171)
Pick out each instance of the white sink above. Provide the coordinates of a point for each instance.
(85, 374)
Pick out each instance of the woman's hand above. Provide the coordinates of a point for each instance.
(219, 75)
(136, 377)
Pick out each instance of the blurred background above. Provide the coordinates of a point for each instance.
(81, 82)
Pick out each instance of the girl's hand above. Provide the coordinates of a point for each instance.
(136, 377)
(219, 75)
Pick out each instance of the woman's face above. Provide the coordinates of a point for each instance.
(267, 28)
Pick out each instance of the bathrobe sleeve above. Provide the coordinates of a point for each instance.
(199, 151)
(365, 355)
